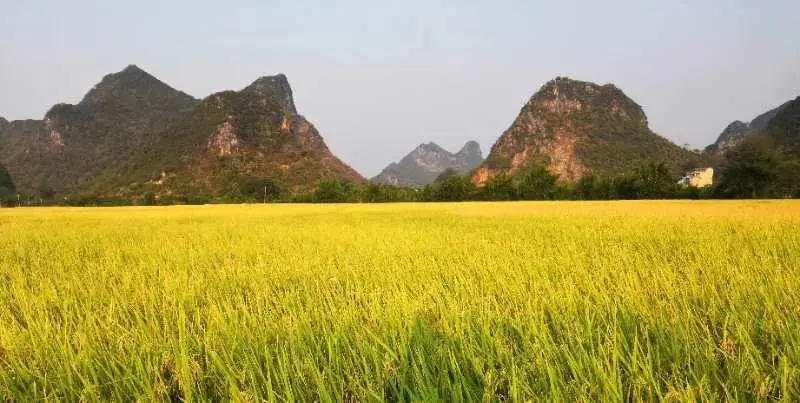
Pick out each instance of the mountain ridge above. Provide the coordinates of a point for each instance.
(229, 138)
(91, 146)
(427, 161)
(784, 128)
(737, 130)
(73, 145)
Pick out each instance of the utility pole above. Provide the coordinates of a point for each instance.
(265, 194)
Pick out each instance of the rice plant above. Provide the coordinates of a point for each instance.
(550, 301)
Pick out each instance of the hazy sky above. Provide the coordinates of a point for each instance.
(377, 78)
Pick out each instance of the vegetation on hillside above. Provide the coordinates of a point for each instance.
(598, 128)
(784, 128)
(77, 144)
(758, 168)
(266, 143)
(7, 188)
(738, 130)
(132, 136)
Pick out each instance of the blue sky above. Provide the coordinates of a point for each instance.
(378, 78)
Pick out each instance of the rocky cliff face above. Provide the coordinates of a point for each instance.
(738, 130)
(424, 164)
(277, 88)
(574, 128)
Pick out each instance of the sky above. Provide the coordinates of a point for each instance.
(378, 78)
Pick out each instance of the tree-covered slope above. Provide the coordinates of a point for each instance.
(76, 144)
(229, 141)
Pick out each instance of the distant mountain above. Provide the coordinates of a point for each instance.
(574, 128)
(231, 139)
(421, 166)
(76, 144)
(738, 130)
(132, 134)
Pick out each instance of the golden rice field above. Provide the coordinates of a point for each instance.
(561, 301)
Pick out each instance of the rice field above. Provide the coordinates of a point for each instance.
(542, 301)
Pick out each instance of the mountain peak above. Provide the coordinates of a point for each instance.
(427, 161)
(470, 148)
(737, 130)
(132, 69)
(276, 87)
(128, 84)
(784, 127)
(737, 125)
(430, 147)
(577, 127)
(565, 96)
(133, 134)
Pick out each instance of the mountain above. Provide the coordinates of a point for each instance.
(76, 144)
(575, 128)
(738, 130)
(421, 166)
(229, 141)
(132, 134)
(784, 128)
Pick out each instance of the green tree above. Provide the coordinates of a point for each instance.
(586, 188)
(500, 187)
(538, 184)
(752, 169)
(45, 192)
(373, 193)
(654, 181)
(7, 188)
(381, 193)
(445, 174)
(6, 195)
(335, 191)
(258, 189)
(150, 199)
(454, 188)
(788, 178)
